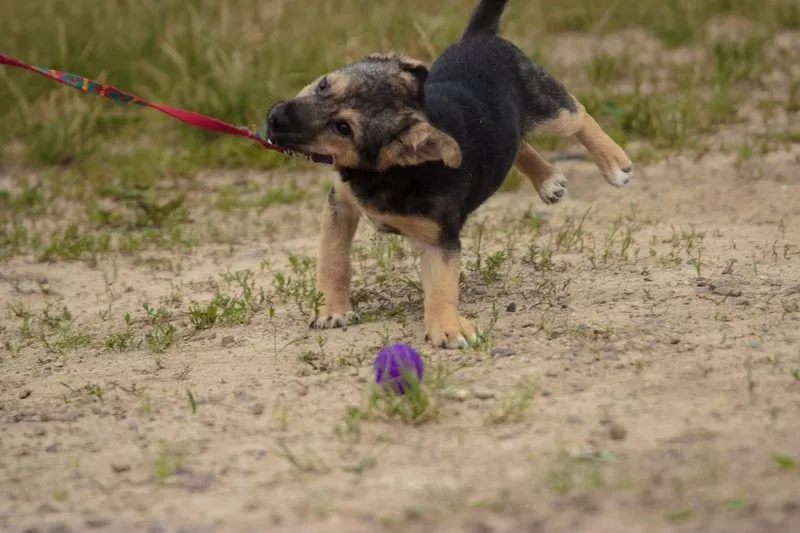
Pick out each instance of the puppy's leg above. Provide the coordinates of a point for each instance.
(439, 269)
(340, 218)
(548, 182)
(609, 157)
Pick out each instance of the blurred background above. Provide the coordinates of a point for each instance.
(232, 59)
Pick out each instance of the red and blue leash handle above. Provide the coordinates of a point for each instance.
(190, 117)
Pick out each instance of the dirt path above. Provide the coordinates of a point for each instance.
(654, 386)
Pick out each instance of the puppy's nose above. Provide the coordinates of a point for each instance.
(279, 119)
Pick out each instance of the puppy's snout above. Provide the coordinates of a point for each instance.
(281, 119)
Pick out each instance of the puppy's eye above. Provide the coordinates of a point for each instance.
(323, 84)
(343, 128)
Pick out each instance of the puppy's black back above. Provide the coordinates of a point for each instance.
(487, 94)
(479, 108)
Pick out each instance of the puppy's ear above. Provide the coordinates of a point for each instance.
(421, 143)
(416, 69)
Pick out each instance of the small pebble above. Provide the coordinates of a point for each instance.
(97, 522)
(196, 481)
(790, 506)
(156, 527)
(482, 393)
(546, 393)
(458, 395)
(257, 409)
(727, 290)
(228, 340)
(25, 393)
(512, 307)
(617, 431)
(503, 352)
(674, 340)
(119, 468)
(728, 269)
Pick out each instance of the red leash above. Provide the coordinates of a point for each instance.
(189, 117)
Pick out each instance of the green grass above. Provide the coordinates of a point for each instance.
(167, 462)
(414, 405)
(783, 461)
(584, 473)
(232, 59)
(513, 404)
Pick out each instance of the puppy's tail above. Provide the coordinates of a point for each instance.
(485, 20)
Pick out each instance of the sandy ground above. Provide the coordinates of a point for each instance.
(661, 386)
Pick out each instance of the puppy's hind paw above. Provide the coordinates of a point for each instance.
(335, 320)
(553, 189)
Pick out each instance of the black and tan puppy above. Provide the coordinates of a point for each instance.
(417, 151)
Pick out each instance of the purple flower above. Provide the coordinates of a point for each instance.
(397, 365)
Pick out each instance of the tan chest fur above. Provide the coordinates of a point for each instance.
(418, 228)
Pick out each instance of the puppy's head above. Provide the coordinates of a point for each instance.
(368, 115)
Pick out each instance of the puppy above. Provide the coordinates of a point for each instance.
(418, 150)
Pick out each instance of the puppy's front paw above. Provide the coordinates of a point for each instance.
(616, 167)
(619, 177)
(553, 189)
(335, 320)
(450, 331)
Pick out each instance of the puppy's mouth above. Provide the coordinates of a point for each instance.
(283, 142)
(286, 126)
(296, 139)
